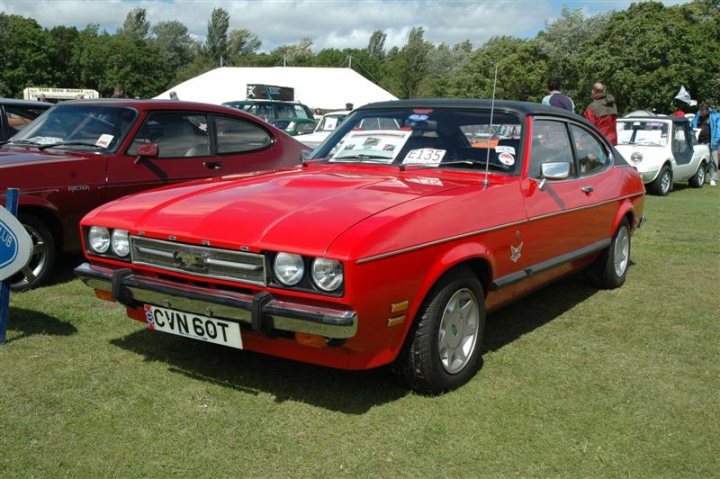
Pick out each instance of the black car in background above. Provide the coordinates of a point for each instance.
(16, 114)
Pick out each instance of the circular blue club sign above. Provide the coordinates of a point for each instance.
(15, 245)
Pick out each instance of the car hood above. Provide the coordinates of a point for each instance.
(11, 156)
(306, 208)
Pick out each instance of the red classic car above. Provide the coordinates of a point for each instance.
(387, 246)
(81, 154)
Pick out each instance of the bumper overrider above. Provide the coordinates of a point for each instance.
(261, 312)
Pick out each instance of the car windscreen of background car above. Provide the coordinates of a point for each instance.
(100, 127)
(442, 138)
(648, 133)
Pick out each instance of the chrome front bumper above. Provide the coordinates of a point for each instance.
(262, 312)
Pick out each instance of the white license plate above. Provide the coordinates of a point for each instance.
(190, 325)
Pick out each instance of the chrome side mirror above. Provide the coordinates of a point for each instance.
(554, 172)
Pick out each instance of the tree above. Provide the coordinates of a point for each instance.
(136, 24)
(217, 41)
(376, 45)
(649, 50)
(24, 55)
(295, 55)
(242, 44)
(174, 44)
(414, 57)
(62, 43)
(566, 41)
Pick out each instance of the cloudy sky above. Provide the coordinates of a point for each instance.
(329, 23)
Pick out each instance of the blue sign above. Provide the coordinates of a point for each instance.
(8, 245)
(15, 245)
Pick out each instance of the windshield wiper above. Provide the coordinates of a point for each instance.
(72, 143)
(22, 142)
(366, 158)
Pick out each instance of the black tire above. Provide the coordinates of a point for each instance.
(663, 183)
(698, 179)
(610, 269)
(431, 365)
(42, 259)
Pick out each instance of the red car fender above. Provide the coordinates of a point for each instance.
(626, 208)
(451, 258)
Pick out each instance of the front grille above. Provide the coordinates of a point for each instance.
(199, 260)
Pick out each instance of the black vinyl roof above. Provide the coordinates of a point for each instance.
(25, 103)
(523, 107)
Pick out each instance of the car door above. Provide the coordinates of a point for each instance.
(183, 140)
(682, 150)
(567, 218)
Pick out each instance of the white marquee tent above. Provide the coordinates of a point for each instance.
(317, 87)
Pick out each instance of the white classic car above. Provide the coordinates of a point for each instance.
(664, 150)
(325, 126)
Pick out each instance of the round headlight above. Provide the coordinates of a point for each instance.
(99, 239)
(636, 157)
(327, 274)
(289, 268)
(120, 242)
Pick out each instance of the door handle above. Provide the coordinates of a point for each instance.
(213, 165)
(587, 189)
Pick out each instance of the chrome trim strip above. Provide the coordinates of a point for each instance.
(487, 230)
(230, 264)
(283, 315)
(512, 278)
(156, 252)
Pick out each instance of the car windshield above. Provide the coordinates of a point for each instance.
(85, 127)
(330, 121)
(642, 132)
(429, 138)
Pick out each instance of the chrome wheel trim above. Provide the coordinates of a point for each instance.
(38, 260)
(701, 175)
(666, 181)
(459, 329)
(621, 251)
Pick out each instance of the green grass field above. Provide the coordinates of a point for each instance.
(576, 382)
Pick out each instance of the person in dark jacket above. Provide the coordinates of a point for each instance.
(602, 112)
(556, 98)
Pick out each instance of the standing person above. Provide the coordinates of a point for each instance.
(602, 112)
(708, 121)
(556, 98)
(118, 92)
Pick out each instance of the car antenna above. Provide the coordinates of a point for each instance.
(486, 183)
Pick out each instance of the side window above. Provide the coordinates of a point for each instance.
(177, 134)
(300, 112)
(19, 118)
(285, 112)
(591, 154)
(239, 136)
(679, 138)
(550, 144)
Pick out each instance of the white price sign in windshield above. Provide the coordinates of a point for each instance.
(424, 156)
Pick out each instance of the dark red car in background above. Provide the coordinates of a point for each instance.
(81, 154)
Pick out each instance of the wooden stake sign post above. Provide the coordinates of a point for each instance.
(15, 252)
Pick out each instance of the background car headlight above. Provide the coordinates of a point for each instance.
(327, 274)
(120, 242)
(289, 268)
(99, 239)
(636, 157)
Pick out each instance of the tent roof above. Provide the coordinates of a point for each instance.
(317, 87)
